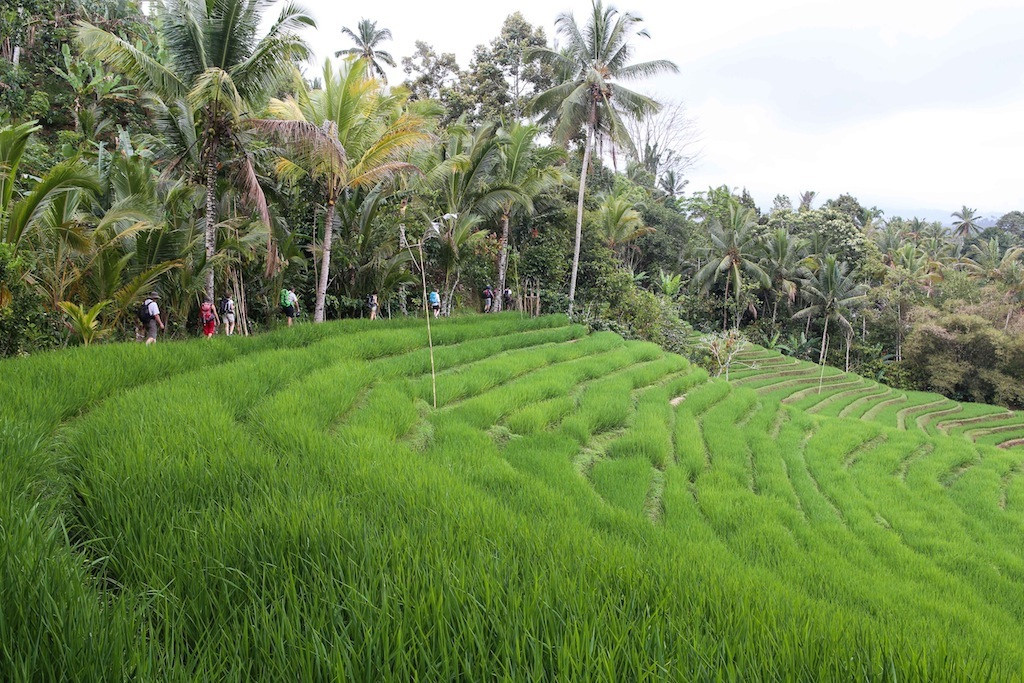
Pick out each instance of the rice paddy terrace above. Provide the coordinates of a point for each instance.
(577, 507)
(831, 392)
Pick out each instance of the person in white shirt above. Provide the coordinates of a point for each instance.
(150, 317)
(227, 311)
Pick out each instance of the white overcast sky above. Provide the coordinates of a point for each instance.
(916, 106)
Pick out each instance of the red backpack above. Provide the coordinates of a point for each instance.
(206, 312)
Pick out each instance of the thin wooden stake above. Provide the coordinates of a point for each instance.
(426, 313)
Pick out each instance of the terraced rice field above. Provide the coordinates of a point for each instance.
(838, 394)
(577, 507)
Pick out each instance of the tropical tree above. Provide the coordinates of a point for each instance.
(367, 37)
(966, 223)
(672, 183)
(618, 223)
(1011, 277)
(526, 171)
(465, 178)
(85, 323)
(832, 294)
(785, 261)
(20, 214)
(347, 135)
(374, 258)
(986, 257)
(217, 68)
(590, 98)
(732, 256)
(913, 265)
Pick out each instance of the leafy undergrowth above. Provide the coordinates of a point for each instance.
(578, 507)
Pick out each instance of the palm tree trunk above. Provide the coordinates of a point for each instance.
(899, 331)
(847, 353)
(211, 218)
(502, 261)
(725, 306)
(824, 340)
(579, 212)
(824, 352)
(403, 243)
(325, 265)
(449, 304)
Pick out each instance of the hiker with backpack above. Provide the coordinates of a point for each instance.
(435, 302)
(227, 314)
(289, 304)
(506, 300)
(208, 318)
(488, 298)
(372, 303)
(149, 317)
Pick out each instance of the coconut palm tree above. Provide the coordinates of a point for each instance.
(832, 295)
(528, 170)
(732, 256)
(366, 38)
(966, 223)
(985, 258)
(672, 183)
(590, 98)
(913, 265)
(218, 68)
(619, 224)
(347, 135)
(784, 260)
(465, 178)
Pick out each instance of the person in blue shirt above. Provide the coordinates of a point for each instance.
(435, 302)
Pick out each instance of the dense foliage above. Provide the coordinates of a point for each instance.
(158, 162)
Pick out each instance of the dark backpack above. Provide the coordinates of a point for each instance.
(143, 312)
(222, 307)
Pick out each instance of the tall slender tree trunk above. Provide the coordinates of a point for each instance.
(403, 244)
(211, 218)
(725, 306)
(824, 341)
(579, 211)
(502, 262)
(449, 304)
(847, 353)
(325, 264)
(899, 331)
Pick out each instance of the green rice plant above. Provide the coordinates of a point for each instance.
(579, 507)
(623, 482)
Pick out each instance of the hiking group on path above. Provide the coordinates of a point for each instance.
(211, 317)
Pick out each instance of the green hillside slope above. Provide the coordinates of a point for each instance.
(829, 391)
(578, 507)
